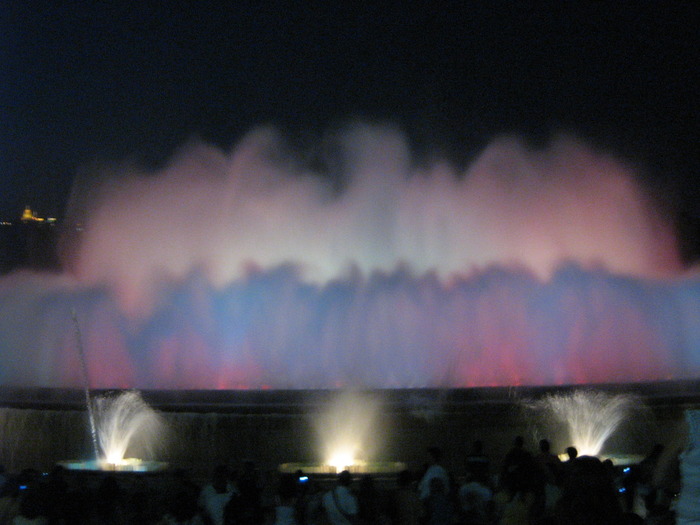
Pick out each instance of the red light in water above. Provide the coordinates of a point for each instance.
(410, 278)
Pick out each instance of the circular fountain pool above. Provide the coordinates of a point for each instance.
(359, 467)
(126, 465)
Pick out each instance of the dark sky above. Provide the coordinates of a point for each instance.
(89, 80)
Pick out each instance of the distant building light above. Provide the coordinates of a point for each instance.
(28, 215)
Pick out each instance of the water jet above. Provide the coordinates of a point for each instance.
(589, 418)
(124, 424)
(529, 268)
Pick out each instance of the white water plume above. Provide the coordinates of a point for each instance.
(591, 417)
(349, 430)
(127, 424)
(252, 269)
(258, 207)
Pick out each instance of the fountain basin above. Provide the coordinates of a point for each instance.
(360, 467)
(623, 460)
(127, 465)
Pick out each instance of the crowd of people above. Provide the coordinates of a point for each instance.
(524, 488)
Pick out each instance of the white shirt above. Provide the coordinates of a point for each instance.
(687, 508)
(284, 515)
(343, 499)
(214, 502)
(474, 496)
(434, 471)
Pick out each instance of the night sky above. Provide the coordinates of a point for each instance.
(89, 81)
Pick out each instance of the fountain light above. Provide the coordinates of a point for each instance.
(341, 459)
(348, 430)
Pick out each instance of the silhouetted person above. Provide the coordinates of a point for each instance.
(216, 495)
(109, 504)
(475, 500)
(3, 477)
(286, 511)
(520, 498)
(643, 475)
(478, 463)
(550, 463)
(406, 506)
(514, 457)
(56, 495)
(517, 452)
(434, 470)
(32, 509)
(244, 508)
(9, 500)
(572, 454)
(340, 503)
(368, 501)
(184, 493)
(438, 506)
(182, 511)
(678, 469)
(589, 496)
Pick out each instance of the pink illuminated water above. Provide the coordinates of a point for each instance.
(246, 270)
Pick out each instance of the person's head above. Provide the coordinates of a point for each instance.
(288, 486)
(544, 446)
(31, 504)
(10, 488)
(589, 494)
(435, 454)
(656, 450)
(248, 468)
(571, 452)
(220, 477)
(344, 478)
(404, 479)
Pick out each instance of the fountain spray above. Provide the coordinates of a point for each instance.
(86, 384)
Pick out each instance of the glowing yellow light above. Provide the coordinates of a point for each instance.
(115, 458)
(341, 459)
(28, 214)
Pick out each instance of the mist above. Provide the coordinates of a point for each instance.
(225, 213)
(249, 269)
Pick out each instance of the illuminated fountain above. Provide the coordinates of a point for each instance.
(350, 435)
(589, 418)
(125, 424)
(249, 270)
(246, 270)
